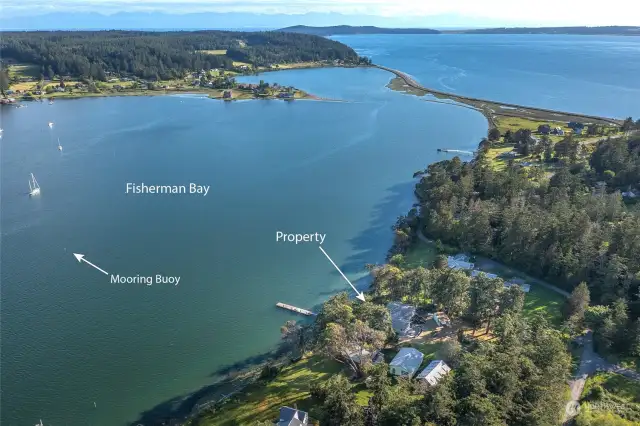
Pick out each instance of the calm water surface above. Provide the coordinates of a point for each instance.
(70, 338)
(588, 74)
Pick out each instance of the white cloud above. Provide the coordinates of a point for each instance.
(613, 12)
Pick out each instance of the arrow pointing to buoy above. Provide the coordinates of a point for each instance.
(359, 295)
(81, 259)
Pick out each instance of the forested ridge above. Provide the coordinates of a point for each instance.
(163, 55)
(568, 226)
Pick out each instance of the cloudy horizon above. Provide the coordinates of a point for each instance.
(539, 13)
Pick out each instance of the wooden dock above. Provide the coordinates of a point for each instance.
(294, 309)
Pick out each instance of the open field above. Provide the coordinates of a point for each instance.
(23, 70)
(214, 52)
(262, 402)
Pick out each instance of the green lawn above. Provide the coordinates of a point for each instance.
(420, 254)
(626, 389)
(620, 397)
(541, 299)
(263, 402)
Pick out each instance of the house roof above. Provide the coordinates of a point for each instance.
(401, 316)
(434, 371)
(292, 417)
(476, 272)
(459, 262)
(408, 358)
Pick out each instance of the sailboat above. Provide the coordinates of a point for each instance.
(39, 424)
(51, 124)
(34, 188)
(59, 146)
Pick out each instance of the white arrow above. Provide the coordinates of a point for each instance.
(81, 259)
(359, 295)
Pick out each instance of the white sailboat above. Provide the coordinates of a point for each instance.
(59, 146)
(39, 424)
(34, 188)
(51, 124)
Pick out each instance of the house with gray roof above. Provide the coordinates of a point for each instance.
(292, 417)
(401, 316)
(434, 372)
(406, 362)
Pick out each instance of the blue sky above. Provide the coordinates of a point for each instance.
(538, 12)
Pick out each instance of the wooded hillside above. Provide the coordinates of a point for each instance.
(163, 55)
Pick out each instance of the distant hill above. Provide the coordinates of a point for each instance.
(612, 30)
(348, 29)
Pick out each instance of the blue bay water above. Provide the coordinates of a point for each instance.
(587, 74)
(70, 338)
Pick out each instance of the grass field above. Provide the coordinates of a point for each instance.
(214, 52)
(619, 398)
(421, 254)
(24, 70)
(494, 157)
(626, 389)
(262, 402)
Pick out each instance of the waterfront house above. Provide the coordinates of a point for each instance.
(629, 194)
(292, 417)
(434, 372)
(401, 316)
(406, 362)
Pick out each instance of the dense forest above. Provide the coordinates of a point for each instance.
(163, 55)
(569, 227)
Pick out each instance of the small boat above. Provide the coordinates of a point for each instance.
(51, 124)
(51, 101)
(34, 188)
(59, 146)
(39, 424)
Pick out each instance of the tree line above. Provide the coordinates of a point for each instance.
(517, 379)
(162, 55)
(571, 227)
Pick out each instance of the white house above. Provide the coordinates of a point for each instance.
(435, 371)
(406, 362)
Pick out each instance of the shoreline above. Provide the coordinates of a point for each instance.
(491, 109)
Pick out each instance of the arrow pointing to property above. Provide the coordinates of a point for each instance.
(359, 295)
(81, 259)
